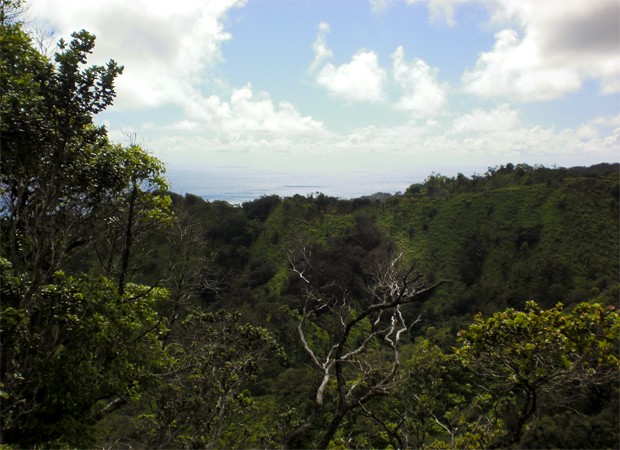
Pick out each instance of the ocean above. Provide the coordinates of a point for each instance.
(241, 184)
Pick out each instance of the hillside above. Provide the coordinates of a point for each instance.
(485, 246)
(515, 234)
(548, 238)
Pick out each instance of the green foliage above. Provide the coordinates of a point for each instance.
(501, 239)
(60, 177)
(536, 347)
(74, 347)
(505, 245)
(216, 358)
(260, 208)
(136, 207)
(95, 352)
(523, 357)
(47, 107)
(78, 348)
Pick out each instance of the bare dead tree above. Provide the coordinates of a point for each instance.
(363, 367)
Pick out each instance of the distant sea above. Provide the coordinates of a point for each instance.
(241, 184)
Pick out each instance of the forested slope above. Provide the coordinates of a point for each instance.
(133, 317)
(554, 239)
(498, 240)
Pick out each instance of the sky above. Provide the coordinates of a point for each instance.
(334, 87)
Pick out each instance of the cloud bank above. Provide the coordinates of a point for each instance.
(539, 52)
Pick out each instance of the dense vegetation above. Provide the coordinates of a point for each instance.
(468, 312)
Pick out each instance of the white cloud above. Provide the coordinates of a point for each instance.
(471, 139)
(516, 68)
(610, 85)
(168, 53)
(182, 125)
(494, 137)
(562, 45)
(481, 135)
(423, 95)
(166, 49)
(441, 10)
(607, 121)
(171, 50)
(502, 118)
(321, 51)
(362, 79)
(248, 113)
(544, 49)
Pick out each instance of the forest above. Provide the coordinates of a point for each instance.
(467, 312)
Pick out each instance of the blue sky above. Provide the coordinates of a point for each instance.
(339, 86)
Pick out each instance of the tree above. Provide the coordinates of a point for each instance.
(438, 406)
(355, 341)
(73, 347)
(519, 356)
(64, 186)
(136, 209)
(216, 357)
(77, 353)
(59, 173)
(10, 11)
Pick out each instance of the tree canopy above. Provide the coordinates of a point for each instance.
(131, 316)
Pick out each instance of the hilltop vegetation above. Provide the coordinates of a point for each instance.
(491, 243)
(468, 312)
(501, 239)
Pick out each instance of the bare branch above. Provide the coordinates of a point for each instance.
(387, 289)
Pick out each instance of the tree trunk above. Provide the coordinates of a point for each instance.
(332, 428)
(128, 241)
